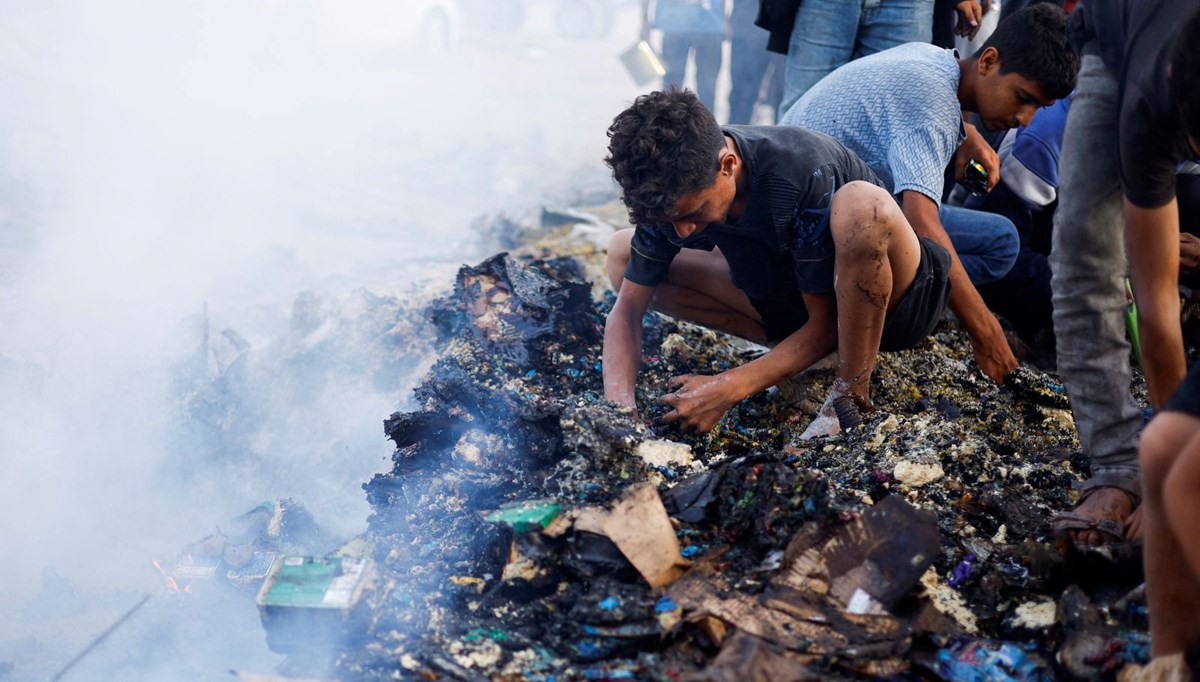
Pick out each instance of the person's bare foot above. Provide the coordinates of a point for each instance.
(824, 424)
(827, 422)
(1111, 504)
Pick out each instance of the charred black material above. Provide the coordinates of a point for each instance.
(847, 412)
(513, 410)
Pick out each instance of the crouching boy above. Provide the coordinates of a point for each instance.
(779, 235)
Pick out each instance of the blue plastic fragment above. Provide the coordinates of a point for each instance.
(590, 630)
(586, 648)
(665, 605)
(988, 661)
(531, 373)
(962, 571)
(602, 674)
(691, 551)
(609, 603)
(1135, 647)
(666, 471)
(1014, 571)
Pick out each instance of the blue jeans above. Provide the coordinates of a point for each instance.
(749, 63)
(987, 243)
(705, 49)
(829, 33)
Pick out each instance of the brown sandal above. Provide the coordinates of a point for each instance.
(1065, 523)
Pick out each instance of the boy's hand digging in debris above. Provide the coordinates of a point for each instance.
(699, 401)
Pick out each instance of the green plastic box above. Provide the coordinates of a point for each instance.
(309, 601)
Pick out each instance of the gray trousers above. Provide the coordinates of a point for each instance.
(1089, 265)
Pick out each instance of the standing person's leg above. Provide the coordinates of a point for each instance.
(987, 243)
(1089, 265)
(822, 40)
(776, 66)
(675, 48)
(706, 54)
(888, 23)
(748, 60)
(944, 17)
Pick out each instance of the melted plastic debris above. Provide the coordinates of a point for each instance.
(512, 412)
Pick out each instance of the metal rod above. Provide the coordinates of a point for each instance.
(101, 637)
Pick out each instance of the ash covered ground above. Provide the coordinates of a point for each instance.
(912, 547)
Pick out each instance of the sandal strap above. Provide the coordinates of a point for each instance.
(1126, 483)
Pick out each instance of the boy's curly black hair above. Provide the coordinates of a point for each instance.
(1185, 74)
(1033, 42)
(665, 145)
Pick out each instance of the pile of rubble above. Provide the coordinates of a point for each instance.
(530, 530)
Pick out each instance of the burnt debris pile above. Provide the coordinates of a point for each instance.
(530, 530)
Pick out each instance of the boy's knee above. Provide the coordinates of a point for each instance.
(1160, 445)
(860, 200)
(620, 247)
(1179, 487)
(858, 219)
(1007, 245)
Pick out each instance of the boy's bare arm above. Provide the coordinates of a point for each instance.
(700, 401)
(988, 342)
(623, 342)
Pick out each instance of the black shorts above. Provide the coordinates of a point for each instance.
(1186, 397)
(914, 317)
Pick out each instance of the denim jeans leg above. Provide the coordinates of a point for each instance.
(1088, 263)
(987, 243)
(748, 60)
(822, 40)
(706, 55)
(776, 65)
(675, 49)
(888, 23)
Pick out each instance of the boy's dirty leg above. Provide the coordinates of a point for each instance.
(876, 258)
(1170, 461)
(699, 289)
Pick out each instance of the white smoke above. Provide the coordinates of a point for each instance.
(163, 158)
